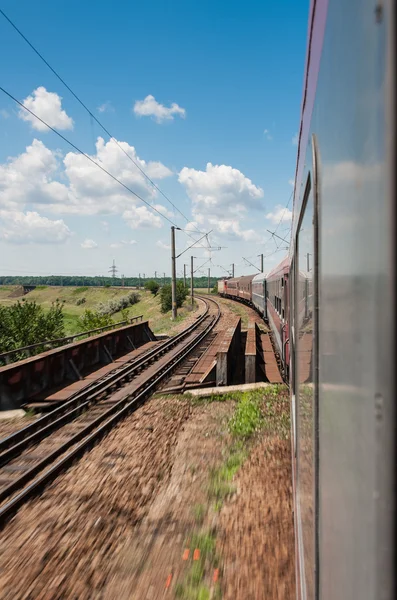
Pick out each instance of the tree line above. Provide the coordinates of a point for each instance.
(79, 280)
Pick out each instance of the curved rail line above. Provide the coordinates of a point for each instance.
(88, 416)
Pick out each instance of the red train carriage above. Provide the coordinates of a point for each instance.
(231, 287)
(245, 288)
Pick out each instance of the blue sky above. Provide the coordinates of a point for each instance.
(217, 91)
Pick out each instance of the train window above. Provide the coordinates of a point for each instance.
(304, 382)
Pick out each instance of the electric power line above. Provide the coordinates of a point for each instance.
(86, 155)
(97, 121)
(91, 114)
(94, 162)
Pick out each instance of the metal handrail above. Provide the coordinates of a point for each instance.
(65, 340)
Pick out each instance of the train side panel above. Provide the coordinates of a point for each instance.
(342, 318)
(259, 294)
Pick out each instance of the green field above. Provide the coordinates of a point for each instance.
(148, 306)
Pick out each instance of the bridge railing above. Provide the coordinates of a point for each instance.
(26, 351)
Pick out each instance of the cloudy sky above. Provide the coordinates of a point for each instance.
(203, 100)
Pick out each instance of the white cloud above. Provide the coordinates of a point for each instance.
(27, 178)
(138, 217)
(122, 243)
(220, 190)
(221, 197)
(4, 113)
(156, 170)
(105, 107)
(149, 107)
(295, 140)
(266, 133)
(23, 228)
(163, 245)
(34, 178)
(291, 182)
(47, 106)
(280, 214)
(105, 226)
(89, 244)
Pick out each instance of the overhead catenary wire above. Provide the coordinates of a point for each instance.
(91, 114)
(87, 156)
(153, 208)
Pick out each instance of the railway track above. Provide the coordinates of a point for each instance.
(33, 456)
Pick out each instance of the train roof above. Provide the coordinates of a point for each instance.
(259, 278)
(244, 278)
(280, 269)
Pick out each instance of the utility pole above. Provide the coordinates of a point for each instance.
(164, 278)
(233, 270)
(191, 279)
(209, 277)
(139, 284)
(173, 274)
(184, 275)
(155, 275)
(122, 280)
(261, 263)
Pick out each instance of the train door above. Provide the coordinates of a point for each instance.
(304, 394)
(304, 334)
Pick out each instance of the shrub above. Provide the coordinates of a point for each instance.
(81, 301)
(92, 319)
(166, 296)
(152, 286)
(117, 304)
(26, 323)
(80, 290)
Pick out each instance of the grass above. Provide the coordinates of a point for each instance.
(261, 410)
(148, 306)
(193, 586)
(199, 513)
(247, 418)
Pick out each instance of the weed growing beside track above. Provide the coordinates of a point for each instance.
(256, 413)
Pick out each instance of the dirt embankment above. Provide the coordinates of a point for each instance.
(172, 504)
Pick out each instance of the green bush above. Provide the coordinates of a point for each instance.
(92, 319)
(117, 304)
(152, 286)
(166, 296)
(26, 323)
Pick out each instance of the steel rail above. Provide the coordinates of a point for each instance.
(87, 436)
(82, 399)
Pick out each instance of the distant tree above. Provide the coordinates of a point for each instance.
(166, 296)
(215, 288)
(26, 323)
(91, 319)
(181, 293)
(152, 286)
